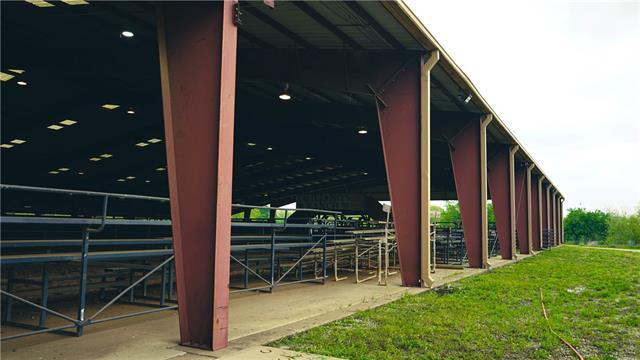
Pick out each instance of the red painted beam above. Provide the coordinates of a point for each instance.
(535, 215)
(400, 132)
(545, 225)
(465, 159)
(521, 208)
(498, 178)
(197, 46)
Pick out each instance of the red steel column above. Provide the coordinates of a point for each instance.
(400, 131)
(545, 208)
(498, 176)
(535, 214)
(466, 158)
(197, 46)
(554, 216)
(521, 208)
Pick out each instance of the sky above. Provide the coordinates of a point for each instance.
(565, 78)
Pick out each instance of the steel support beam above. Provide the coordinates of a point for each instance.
(555, 216)
(468, 158)
(399, 117)
(530, 211)
(425, 168)
(498, 175)
(547, 204)
(536, 209)
(520, 175)
(543, 208)
(513, 203)
(197, 47)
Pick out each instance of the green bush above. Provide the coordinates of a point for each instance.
(582, 226)
(624, 230)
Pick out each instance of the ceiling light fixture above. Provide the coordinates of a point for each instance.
(142, 144)
(130, 177)
(6, 146)
(54, 172)
(251, 144)
(106, 156)
(39, 3)
(362, 131)
(95, 159)
(147, 181)
(154, 140)
(68, 122)
(110, 106)
(22, 83)
(127, 34)
(121, 180)
(285, 94)
(5, 76)
(161, 169)
(269, 148)
(308, 158)
(75, 2)
(131, 111)
(17, 71)
(18, 141)
(63, 169)
(54, 127)
(80, 173)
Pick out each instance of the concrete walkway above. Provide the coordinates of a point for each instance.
(255, 319)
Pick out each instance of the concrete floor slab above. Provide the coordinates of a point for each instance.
(255, 319)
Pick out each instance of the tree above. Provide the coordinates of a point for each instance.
(624, 230)
(451, 213)
(582, 226)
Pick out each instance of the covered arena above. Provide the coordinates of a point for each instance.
(149, 150)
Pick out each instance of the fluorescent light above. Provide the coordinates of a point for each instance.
(5, 76)
(121, 180)
(131, 111)
(147, 181)
(80, 173)
(269, 148)
(308, 158)
(130, 177)
(110, 106)
(161, 169)
(68, 122)
(362, 131)
(142, 144)
(53, 172)
(467, 99)
(251, 144)
(17, 71)
(95, 159)
(22, 83)
(127, 34)
(63, 169)
(18, 141)
(54, 127)
(39, 3)
(154, 140)
(6, 146)
(106, 156)
(75, 2)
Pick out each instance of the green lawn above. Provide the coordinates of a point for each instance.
(592, 298)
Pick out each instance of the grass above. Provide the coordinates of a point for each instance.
(592, 298)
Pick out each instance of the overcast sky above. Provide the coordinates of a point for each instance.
(564, 76)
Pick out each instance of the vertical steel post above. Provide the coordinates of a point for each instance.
(425, 168)
(541, 213)
(44, 294)
(521, 208)
(529, 211)
(197, 47)
(548, 212)
(535, 213)
(512, 198)
(399, 117)
(84, 264)
(498, 175)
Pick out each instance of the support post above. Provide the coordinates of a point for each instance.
(529, 211)
(197, 48)
(425, 168)
(536, 225)
(483, 190)
(521, 207)
(500, 185)
(541, 210)
(555, 217)
(512, 198)
(399, 119)
(468, 152)
(548, 209)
